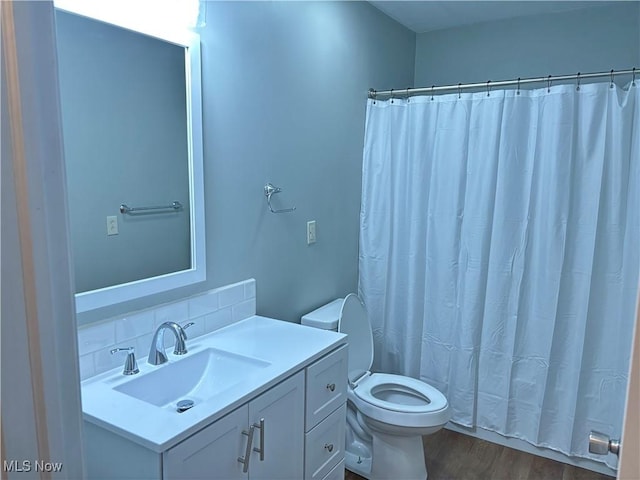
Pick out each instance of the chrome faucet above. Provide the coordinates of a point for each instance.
(157, 355)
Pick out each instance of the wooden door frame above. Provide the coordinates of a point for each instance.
(41, 408)
(629, 466)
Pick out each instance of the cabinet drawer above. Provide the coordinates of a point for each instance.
(324, 445)
(326, 386)
(337, 473)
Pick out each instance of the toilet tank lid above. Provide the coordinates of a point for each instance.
(325, 317)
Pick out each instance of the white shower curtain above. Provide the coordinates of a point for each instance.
(499, 254)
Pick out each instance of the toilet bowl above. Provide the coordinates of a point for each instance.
(387, 414)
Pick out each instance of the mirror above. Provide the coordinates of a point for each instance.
(131, 117)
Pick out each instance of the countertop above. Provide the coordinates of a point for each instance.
(288, 347)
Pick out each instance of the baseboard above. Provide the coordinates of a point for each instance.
(523, 446)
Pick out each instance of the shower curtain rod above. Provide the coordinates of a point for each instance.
(407, 92)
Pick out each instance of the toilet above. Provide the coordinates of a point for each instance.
(386, 414)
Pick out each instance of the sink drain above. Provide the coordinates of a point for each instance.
(184, 405)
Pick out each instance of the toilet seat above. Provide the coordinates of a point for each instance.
(427, 398)
(366, 397)
(390, 399)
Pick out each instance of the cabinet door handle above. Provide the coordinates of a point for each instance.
(329, 447)
(261, 449)
(331, 386)
(245, 460)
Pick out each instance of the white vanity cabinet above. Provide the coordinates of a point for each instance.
(284, 418)
(299, 424)
(277, 441)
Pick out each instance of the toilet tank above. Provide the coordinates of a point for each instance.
(325, 317)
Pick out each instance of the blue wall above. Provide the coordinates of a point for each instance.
(284, 96)
(587, 40)
(285, 88)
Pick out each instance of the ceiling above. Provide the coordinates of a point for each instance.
(425, 16)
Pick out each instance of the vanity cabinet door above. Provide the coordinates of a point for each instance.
(282, 409)
(211, 453)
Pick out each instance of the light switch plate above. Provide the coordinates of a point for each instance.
(311, 232)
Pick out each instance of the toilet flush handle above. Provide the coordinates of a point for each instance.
(331, 386)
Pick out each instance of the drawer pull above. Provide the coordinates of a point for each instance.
(261, 449)
(329, 447)
(245, 460)
(331, 386)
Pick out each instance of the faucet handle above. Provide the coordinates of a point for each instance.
(180, 347)
(184, 327)
(130, 364)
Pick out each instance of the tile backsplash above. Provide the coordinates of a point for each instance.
(209, 311)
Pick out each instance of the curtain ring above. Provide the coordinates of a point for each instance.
(459, 87)
(549, 84)
(375, 96)
(518, 90)
(432, 87)
(578, 83)
(633, 77)
(488, 88)
(391, 95)
(611, 84)
(408, 98)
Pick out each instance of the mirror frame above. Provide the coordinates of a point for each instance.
(190, 41)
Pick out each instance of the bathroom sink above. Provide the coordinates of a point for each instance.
(222, 371)
(196, 377)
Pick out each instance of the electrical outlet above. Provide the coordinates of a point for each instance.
(112, 225)
(311, 232)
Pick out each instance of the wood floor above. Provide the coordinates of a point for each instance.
(454, 456)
